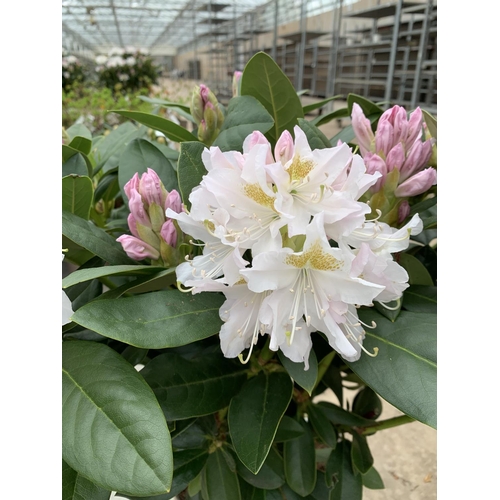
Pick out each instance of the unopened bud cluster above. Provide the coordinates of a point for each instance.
(399, 154)
(154, 236)
(207, 114)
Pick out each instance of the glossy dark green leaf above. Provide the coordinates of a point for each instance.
(81, 144)
(271, 475)
(218, 481)
(187, 465)
(423, 205)
(194, 433)
(191, 169)
(367, 404)
(250, 493)
(188, 389)
(333, 379)
(347, 484)
(155, 320)
(300, 462)
(171, 130)
(316, 105)
(389, 310)
(254, 416)
(404, 372)
(305, 378)
(321, 490)
(114, 432)
(420, 298)
(76, 487)
(338, 415)
(368, 107)
(322, 425)
(418, 274)
(94, 239)
(288, 429)
(82, 275)
(372, 480)
(263, 79)
(362, 459)
(334, 115)
(169, 153)
(108, 188)
(315, 138)
(138, 156)
(77, 195)
(75, 165)
(245, 114)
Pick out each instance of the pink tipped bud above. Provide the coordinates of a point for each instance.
(255, 138)
(169, 233)
(374, 164)
(400, 124)
(174, 201)
(414, 128)
(137, 209)
(236, 83)
(284, 148)
(204, 93)
(132, 184)
(417, 184)
(395, 158)
(403, 211)
(384, 138)
(417, 158)
(132, 225)
(137, 249)
(151, 188)
(363, 130)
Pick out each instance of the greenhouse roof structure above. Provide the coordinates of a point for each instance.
(165, 27)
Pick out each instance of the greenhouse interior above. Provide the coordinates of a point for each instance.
(249, 249)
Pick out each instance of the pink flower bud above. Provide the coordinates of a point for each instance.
(174, 201)
(151, 188)
(137, 249)
(204, 94)
(132, 225)
(132, 184)
(400, 124)
(236, 83)
(283, 151)
(363, 130)
(169, 233)
(374, 164)
(384, 138)
(403, 211)
(417, 158)
(395, 158)
(417, 184)
(414, 128)
(137, 209)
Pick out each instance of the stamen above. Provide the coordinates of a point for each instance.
(398, 305)
(181, 289)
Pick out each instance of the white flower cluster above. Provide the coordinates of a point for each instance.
(287, 242)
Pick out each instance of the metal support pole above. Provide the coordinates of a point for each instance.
(332, 63)
(196, 76)
(275, 30)
(420, 57)
(394, 49)
(235, 39)
(314, 67)
(300, 63)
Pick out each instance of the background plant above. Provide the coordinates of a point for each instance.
(217, 429)
(73, 71)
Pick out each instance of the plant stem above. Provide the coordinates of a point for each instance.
(386, 424)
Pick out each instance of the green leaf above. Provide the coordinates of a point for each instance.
(187, 466)
(76, 487)
(361, 456)
(218, 481)
(392, 313)
(288, 429)
(81, 275)
(347, 133)
(138, 156)
(108, 187)
(77, 195)
(81, 144)
(347, 484)
(171, 130)
(315, 105)
(254, 416)
(263, 79)
(191, 169)
(372, 480)
(367, 404)
(166, 104)
(245, 114)
(250, 493)
(404, 372)
(338, 415)
(154, 320)
(114, 432)
(75, 165)
(191, 388)
(431, 123)
(321, 490)
(271, 475)
(368, 107)
(418, 274)
(300, 462)
(192, 433)
(334, 115)
(324, 429)
(78, 129)
(92, 238)
(315, 138)
(305, 378)
(423, 205)
(421, 299)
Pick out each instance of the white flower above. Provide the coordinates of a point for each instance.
(101, 59)
(72, 59)
(130, 61)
